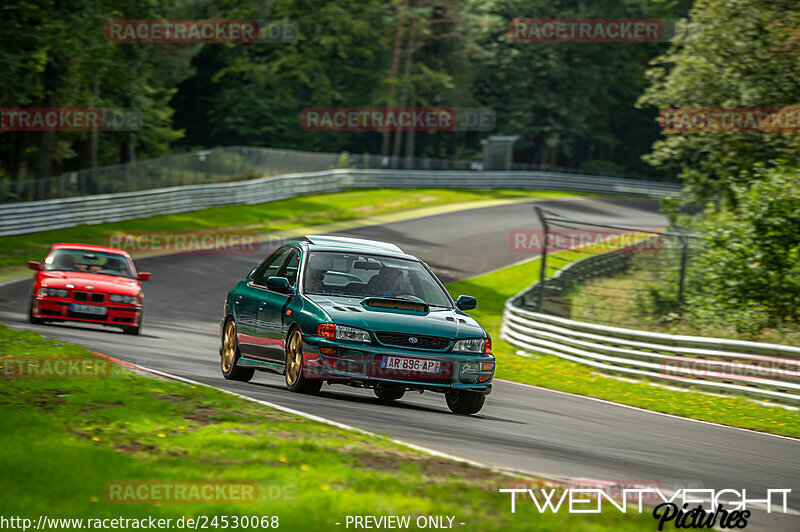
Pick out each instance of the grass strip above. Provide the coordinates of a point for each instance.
(16, 251)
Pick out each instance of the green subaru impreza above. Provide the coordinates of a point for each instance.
(356, 312)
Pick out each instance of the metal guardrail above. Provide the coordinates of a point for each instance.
(711, 363)
(33, 216)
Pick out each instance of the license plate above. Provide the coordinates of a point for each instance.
(410, 364)
(89, 309)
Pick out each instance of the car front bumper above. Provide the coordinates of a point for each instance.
(117, 314)
(363, 363)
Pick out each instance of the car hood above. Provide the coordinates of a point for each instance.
(98, 282)
(449, 323)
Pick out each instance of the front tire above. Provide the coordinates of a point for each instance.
(135, 329)
(295, 381)
(464, 402)
(31, 318)
(230, 355)
(388, 394)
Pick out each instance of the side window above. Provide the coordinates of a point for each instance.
(290, 268)
(270, 266)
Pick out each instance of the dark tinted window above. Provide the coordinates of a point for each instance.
(271, 266)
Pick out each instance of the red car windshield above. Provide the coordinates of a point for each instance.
(79, 260)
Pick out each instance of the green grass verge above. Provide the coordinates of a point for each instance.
(626, 312)
(63, 440)
(16, 251)
(492, 291)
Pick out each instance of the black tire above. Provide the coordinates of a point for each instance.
(31, 318)
(464, 402)
(293, 368)
(230, 370)
(135, 330)
(388, 393)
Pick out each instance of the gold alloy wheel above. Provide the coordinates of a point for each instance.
(294, 358)
(228, 347)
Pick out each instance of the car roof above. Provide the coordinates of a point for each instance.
(90, 247)
(357, 245)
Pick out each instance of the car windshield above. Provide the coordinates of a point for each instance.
(360, 275)
(79, 260)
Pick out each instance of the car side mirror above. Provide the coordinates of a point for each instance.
(279, 284)
(33, 265)
(249, 275)
(144, 276)
(466, 303)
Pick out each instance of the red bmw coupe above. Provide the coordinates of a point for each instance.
(93, 284)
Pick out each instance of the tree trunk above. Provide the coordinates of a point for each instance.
(128, 148)
(88, 150)
(398, 41)
(404, 93)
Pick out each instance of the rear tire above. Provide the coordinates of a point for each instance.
(464, 402)
(230, 356)
(31, 318)
(388, 394)
(293, 372)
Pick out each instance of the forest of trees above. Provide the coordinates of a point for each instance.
(572, 104)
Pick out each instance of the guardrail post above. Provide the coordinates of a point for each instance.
(543, 268)
(684, 252)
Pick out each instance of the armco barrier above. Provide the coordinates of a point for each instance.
(767, 371)
(33, 216)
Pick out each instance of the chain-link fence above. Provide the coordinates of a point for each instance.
(217, 165)
(608, 274)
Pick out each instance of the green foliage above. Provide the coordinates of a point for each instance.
(735, 54)
(569, 102)
(748, 273)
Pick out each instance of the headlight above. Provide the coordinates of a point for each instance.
(55, 292)
(351, 334)
(342, 332)
(472, 345)
(119, 298)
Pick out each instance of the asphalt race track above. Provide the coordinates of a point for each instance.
(521, 427)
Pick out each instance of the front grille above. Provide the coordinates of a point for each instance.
(403, 340)
(86, 296)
